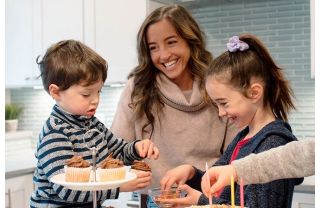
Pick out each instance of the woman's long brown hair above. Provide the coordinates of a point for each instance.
(145, 96)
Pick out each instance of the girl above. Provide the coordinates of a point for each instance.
(251, 91)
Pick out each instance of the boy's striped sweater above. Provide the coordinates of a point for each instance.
(64, 135)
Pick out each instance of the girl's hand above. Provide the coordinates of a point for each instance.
(219, 178)
(146, 149)
(178, 175)
(191, 198)
(142, 181)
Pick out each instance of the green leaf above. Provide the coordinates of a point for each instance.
(12, 111)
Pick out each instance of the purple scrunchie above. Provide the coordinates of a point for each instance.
(236, 44)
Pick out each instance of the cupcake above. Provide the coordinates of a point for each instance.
(140, 166)
(77, 170)
(111, 169)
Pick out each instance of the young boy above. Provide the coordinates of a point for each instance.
(73, 75)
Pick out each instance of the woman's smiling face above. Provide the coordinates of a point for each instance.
(169, 52)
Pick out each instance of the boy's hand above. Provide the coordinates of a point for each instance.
(146, 149)
(142, 181)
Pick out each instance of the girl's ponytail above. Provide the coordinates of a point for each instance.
(278, 92)
(246, 58)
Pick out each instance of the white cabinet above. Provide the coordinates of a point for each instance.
(117, 24)
(31, 27)
(20, 163)
(61, 20)
(20, 58)
(109, 27)
(18, 191)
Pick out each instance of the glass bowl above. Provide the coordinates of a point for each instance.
(159, 195)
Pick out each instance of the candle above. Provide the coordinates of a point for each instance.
(232, 192)
(241, 194)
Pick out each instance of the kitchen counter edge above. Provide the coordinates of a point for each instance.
(20, 172)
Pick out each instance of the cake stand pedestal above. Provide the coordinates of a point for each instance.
(94, 193)
(93, 185)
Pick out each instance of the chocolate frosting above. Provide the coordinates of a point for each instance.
(140, 165)
(110, 162)
(77, 162)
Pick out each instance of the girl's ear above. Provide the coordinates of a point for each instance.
(255, 92)
(54, 91)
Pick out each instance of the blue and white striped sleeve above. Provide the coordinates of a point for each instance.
(122, 149)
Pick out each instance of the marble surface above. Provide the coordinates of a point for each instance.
(20, 159)
(23, 163)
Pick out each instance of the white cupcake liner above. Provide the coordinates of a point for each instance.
(111, 174)
(74, 174)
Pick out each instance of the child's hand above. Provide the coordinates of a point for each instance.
(143, 180)
(146, 148)
(178, 175)
(191, 198)
(219, 178)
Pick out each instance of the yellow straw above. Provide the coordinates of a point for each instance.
(232, 191)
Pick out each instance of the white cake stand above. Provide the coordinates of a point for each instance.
(93, 185)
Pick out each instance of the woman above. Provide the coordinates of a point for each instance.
(165, 99)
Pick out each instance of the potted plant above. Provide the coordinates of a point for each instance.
(12, 112)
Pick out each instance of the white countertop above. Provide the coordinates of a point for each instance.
(23, 163)
(19, 153)
(24, 159)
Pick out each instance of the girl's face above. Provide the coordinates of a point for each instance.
(79, 99)
(232, 104)
(169, 52)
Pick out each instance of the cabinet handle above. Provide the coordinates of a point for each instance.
(32, 78)
(9, 198)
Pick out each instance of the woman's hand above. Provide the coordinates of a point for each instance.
(178, 175)
(146, 149)
(142, 181)
(191, 198)
(219, 178)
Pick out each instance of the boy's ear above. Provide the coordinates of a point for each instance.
(255, 92)
(54, 91)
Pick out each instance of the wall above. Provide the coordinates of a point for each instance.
(283, 25)
(38, 105)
